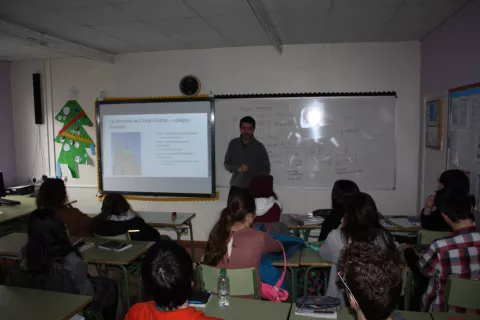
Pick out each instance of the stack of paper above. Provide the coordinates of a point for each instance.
(330, 313)
(405, 222)
(306, 219)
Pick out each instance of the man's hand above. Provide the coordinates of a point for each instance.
(243, 168)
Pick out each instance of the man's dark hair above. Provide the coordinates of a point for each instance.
(454, 203)
(247, 119)
(373, 277)
(167, 272)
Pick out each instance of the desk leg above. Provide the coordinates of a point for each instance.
(306, 234)
(140, 288)
(293, 271)
(192, 244)
(127, 286)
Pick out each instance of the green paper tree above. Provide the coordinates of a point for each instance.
(73, 137)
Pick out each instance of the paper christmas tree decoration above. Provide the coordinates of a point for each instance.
(73, 137)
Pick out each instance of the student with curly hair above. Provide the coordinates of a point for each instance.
(374, 279)
(53, 195)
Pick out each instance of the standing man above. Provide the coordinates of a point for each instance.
(246, 157)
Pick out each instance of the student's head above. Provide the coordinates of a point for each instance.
(454, 205)
(456, 179)
(167, 272)
(361, 218)
(52, 194)
(340, 190)
(240, 209)
(373, 278)
(262, 187)
(247, 127)
(114, 204)
(47, 240)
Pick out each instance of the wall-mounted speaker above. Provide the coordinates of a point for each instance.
(37, 98)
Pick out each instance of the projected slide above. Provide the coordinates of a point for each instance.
(126, 153)
(156, 145)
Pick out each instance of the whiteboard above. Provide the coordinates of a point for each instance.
(314, 141)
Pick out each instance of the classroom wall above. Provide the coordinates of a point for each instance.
(7, 155)
(302, 68)
(449, 58)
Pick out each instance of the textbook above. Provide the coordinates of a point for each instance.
(306, 219)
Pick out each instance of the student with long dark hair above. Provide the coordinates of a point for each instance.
(454, 179)
(232, 244)
(341, 189)
(117, 217)
(53, 195)
(361, 223)
(49, 252)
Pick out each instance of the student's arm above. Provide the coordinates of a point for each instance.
(264, 160)
(433, 220)
(229, 161)
(330, 250)
(330, 223)
(429, 263)
(270, 244)
(145, 231)
(82, 221)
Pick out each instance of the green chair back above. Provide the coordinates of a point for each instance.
(462, 293)
(120, 237)
(243, 282)
(427, 236)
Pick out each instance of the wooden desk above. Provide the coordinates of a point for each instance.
(349, 314)
(163, 220)
(13, 217)
(450, 315)
(127, 261)
(21, 303)
(311, 258)
(248, 309)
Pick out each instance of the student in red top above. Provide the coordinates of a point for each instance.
(167, 272)
(232, 244)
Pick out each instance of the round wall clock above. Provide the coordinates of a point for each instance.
(190, 86)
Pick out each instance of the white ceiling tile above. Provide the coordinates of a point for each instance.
(304, 34)
(422, 16)
(366, 3)
(239, 29)
(219, 7)
(353, 32)
(283, 18)
(305, 5)
(67, 4)
(92, 16)
(201, 39)
(180, 25)
(434, 2)
(157, 9)
(362, 15)
(137, 33)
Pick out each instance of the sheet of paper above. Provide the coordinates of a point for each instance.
(475, 110)
(403, 222)
(459, 113)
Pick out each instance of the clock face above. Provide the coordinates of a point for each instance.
(190, 86)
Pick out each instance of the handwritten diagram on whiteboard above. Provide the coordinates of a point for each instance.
(314, 141)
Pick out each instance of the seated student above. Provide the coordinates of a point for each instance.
(457, 254)
(167, 272)
(50, 251)
(232, 244)
(431, 217)
(53, 195)
(117, 217)
(374, 279)
(340, 190)
(268, 208)
(361, 223)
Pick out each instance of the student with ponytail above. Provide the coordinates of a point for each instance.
(232, 243)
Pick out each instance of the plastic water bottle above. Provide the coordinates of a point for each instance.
(223, 289)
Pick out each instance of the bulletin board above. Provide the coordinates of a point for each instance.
(464, 133)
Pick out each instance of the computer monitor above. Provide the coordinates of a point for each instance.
(2, 186)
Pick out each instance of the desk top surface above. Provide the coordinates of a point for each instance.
(162, 219)
(348, 314)
(11, 244)
(26, 206)
(248, 309)
(21, 303)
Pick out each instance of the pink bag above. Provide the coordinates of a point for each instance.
(275, 293)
